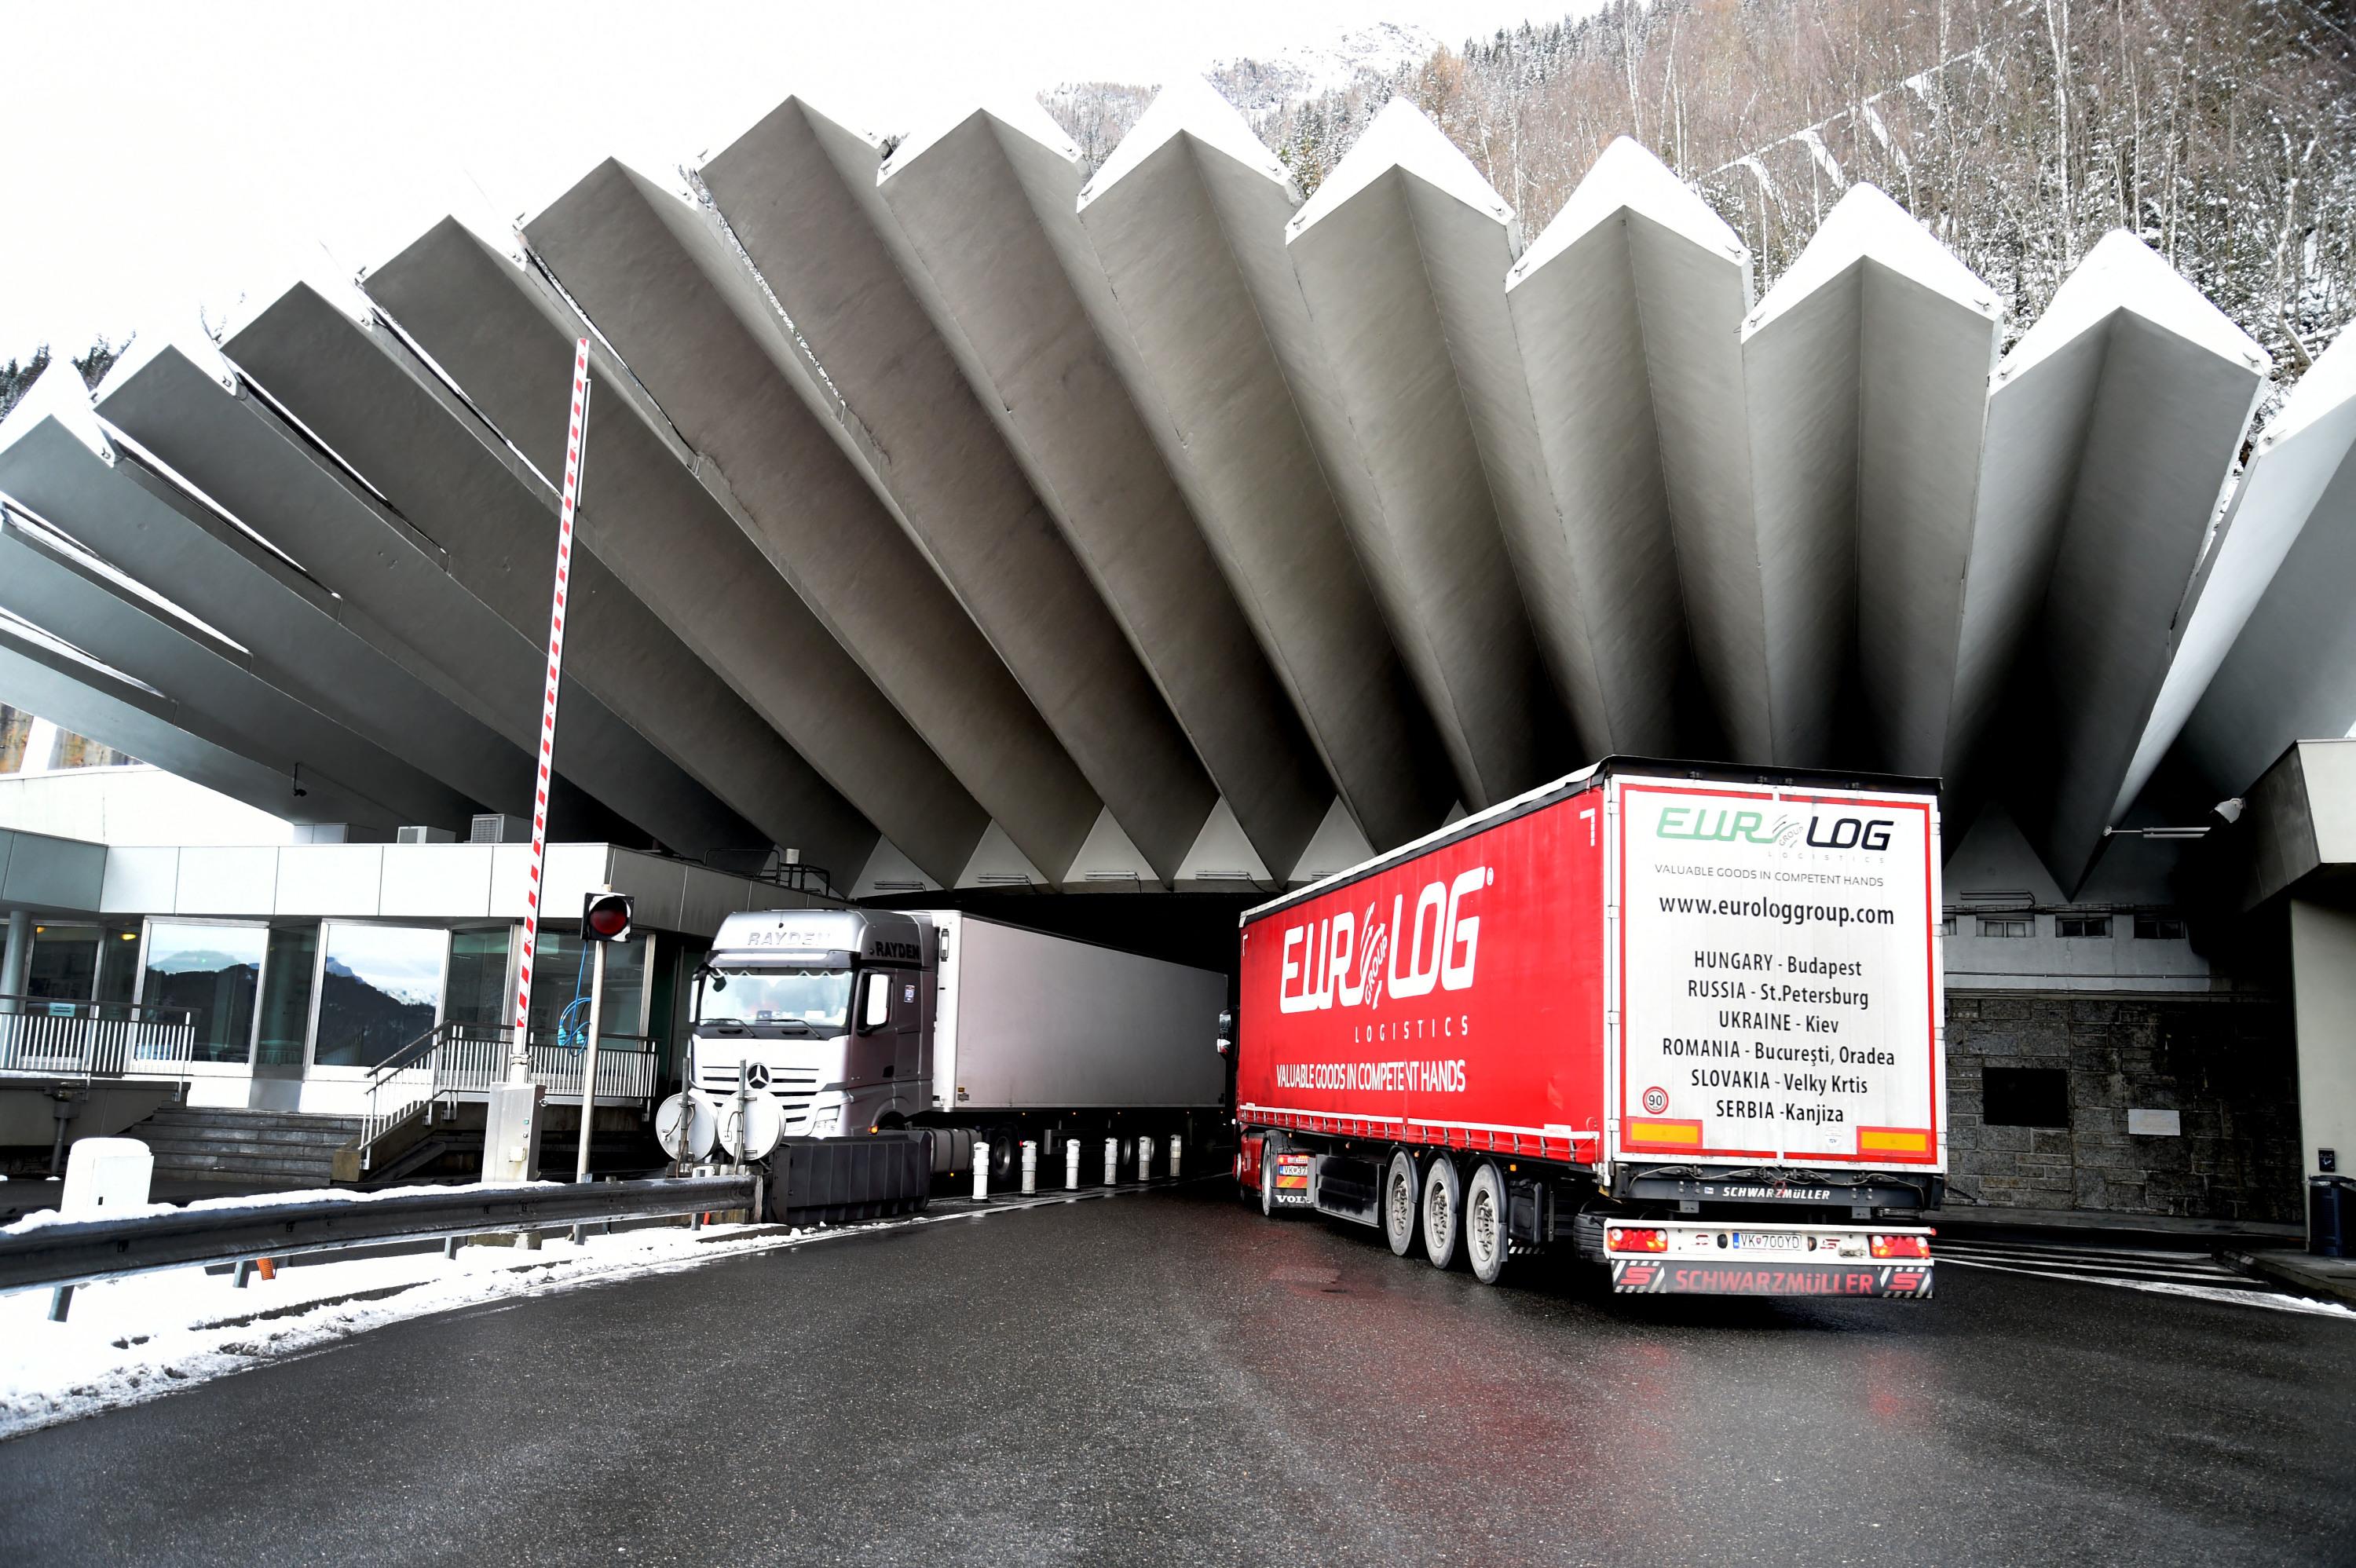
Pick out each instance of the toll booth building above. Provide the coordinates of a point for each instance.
(295, 1014)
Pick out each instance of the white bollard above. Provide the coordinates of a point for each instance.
(1112, 1161)
(980, 1168)
(1030, 1166)
(1145, 1159)
(1071, 1165)
(1177, 1147)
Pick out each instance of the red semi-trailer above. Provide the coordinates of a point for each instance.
(1682, 1020)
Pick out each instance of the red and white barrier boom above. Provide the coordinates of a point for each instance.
(519, 1058)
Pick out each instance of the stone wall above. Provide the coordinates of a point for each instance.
(2225, 1063)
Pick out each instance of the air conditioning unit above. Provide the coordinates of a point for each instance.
(493, 827)
(424, 836)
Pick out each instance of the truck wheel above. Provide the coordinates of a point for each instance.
(1443, 1214)
(1399, 1196)
(1268, 1180)
(1487, 1242)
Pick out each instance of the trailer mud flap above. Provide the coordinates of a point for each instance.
(1712, 1276)
(1291, 1183)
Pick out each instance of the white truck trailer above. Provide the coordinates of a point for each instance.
(858, 1020)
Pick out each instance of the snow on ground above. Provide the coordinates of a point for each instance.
(130, 1340)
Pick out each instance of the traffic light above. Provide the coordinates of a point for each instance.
(606, 917)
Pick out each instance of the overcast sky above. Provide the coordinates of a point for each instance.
(161, 157)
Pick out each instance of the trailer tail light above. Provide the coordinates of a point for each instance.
(1637, 1241)
(1902, 1247)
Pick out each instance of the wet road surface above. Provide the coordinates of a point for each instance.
(1164, 1377)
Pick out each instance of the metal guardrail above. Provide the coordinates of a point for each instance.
(84, 1251)
(87, 1038)
(453, 1060)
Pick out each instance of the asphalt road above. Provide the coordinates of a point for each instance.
(1166, 1378)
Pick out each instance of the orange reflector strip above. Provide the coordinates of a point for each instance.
(1892, 1140)
(1664, 1133)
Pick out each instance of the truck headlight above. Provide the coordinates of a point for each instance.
(826, 1122)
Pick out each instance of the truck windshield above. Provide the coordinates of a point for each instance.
(816, 998)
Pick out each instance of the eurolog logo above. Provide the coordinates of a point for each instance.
(1726, 824)
(1442, 945)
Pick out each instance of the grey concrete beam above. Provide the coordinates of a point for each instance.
(673, 299)
(368, 398)
(2291, 674)
(225, 574)
(678, 550)
(989, 209)
(1188, 209)
(1628, 310)
(798, 191)
(2306, 450)
(219, 693)
(41, 674)
(2114, 425)
(1393, 255)
(1865, 369)
(392, 589)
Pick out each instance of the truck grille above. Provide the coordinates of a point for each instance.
(790, 1088)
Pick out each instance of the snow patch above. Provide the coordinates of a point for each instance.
(2122, 273)
(1402, 137)
(1867, 226)
(1628, 178)
(1190, 107)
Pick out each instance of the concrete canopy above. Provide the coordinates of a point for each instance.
(1627, 311)
(988, 208)
(223, 571)
(1865, 369)
(2115, 421)
(799, 193)
(45, 674)
(961, 527)
(2303, 453)
(675, 547)
(392, 589)
(368, 398)
(667, 294)
(2292, 669)
(1401, 257)
(216, 694)
(1187, 223)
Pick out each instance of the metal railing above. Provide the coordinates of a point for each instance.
(455, 1061)
(86, 1038)
(81, 1251)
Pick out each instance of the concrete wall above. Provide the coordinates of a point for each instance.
(137, 805)
(2323, 965)
(2224, 1064)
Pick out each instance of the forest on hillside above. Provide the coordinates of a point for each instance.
(2223, 132)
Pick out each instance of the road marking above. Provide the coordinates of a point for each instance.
(2198, 1275)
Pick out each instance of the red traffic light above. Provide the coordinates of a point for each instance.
(606, 917)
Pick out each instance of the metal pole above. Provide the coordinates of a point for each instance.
(519, 1055)
(589, 1056)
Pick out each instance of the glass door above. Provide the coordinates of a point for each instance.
(288, 976)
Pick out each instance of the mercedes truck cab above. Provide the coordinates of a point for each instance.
(827, 1012)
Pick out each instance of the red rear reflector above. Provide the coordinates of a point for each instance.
(1901, 1247)
(1637, 1241)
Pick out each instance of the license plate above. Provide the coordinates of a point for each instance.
(1772, 1241)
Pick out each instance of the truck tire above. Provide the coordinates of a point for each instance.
(1443, 1214)
(1487, 1244)
(1268, 1180)
(1401, 1193)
